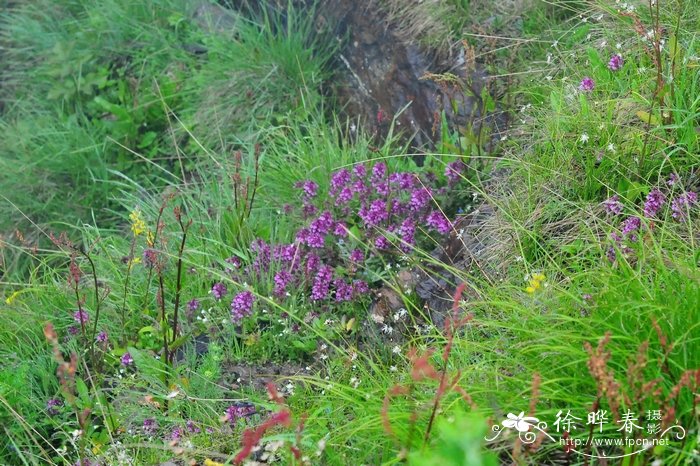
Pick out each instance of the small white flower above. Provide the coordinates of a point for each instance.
(387, 329)
(584, 138)
(396, 349)
(611, 147)
(520, 422)
(393, 369)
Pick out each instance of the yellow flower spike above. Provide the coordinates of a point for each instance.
(538, 276)
(208, 462)
(150, 238)
(11, 299)
(530, 289)
(534, 284)
(138, 226)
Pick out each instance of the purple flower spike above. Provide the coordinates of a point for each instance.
(655, 200)
(218, 290)
(81, 317)
(193, 305)
(322, 283)
(616, 62)
(438, 221)
(631, 225)
(242, 306)
(682, 204)
(53, 405)
(613, 205)
(150, 426)
(127, 360)
(587, 84)
(102, 337)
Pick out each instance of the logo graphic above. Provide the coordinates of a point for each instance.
(630, 428)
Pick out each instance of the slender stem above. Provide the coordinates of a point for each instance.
(126, 290)
(178, 282)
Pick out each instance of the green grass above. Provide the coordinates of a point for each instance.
(160, 128)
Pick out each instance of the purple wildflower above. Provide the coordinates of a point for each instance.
(235, 261)
(150, 257)
(321, 283)
(438, 221)
(127, 360)
(613, 205)
(360, 287)
(419, 198)
(102, 337)
(379, 171)
(343, 291)
(242, 306)
(360, 171)
(176, 433)
(375, 214)
(53, 405)
(282, 279)
(73, 330)
(150, 426)
(357, 255)
(340, 230)
(81, 317)
(237, 411)
(404, 180)
(346, 194)
(407, 232)
(631, 225)
(382, 243)
(218, 290)
(682, 204)
(453, 171)
(193, 305)
(339, 180)
(673, 179)
(616, 62)
(655, 200)
(309, 188)
(313, 262)
(587, 84)
(192, 427)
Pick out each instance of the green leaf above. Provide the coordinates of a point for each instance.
(648, 118)
(594, 58)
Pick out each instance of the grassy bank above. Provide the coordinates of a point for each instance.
(192, 223)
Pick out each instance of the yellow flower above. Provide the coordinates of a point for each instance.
(11, 299)
(138, 226)
(150, 238)
(535, 282)
(208, 462)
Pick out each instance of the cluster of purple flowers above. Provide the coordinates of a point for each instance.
(587, 84)
(653, 204)
(681, 204)
(102, 337)
(655, 200)
(239, 410)
(150, 426)
(218, 291)
(370, 206)
(53, 405)
(613, 205)
(81, 317)
(127, 360)
(242, 306)
(616, 62)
